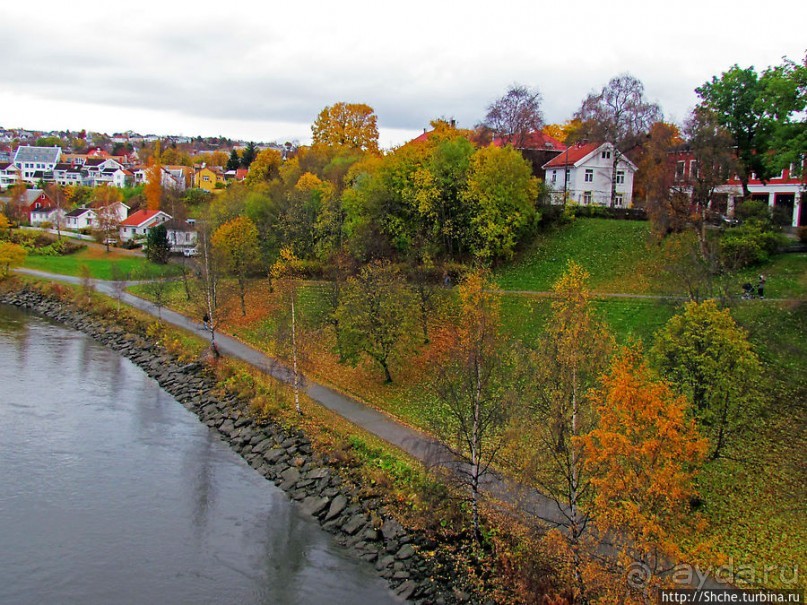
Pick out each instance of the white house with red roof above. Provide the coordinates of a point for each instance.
(136, 226)
(583, 174)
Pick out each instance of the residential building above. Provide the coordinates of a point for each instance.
(9, 175)
(785, 193)
(32, 200)
(65, 173)
(182, 235)
(36, 163)
(80, 218)
(207, 177)
(584, 174)
(136, 226)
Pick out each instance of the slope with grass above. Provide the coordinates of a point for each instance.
(621, 256)
(99, 263)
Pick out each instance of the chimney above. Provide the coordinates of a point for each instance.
(453, 123)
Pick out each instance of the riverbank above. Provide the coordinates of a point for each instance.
(282, 455)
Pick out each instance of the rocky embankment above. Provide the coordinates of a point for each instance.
(282, 456)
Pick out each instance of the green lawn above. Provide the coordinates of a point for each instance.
(615, 253)
(99, 263)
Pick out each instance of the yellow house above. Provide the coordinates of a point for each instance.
(206, 178)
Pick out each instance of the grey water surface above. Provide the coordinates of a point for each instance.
(112, 493)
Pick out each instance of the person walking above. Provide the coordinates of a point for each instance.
(761, 286)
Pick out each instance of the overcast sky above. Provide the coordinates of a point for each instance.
(263, 70)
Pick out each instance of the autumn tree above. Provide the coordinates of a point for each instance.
(472, 387)
(667, 208)
(284, 274)
(55, 192)
(351, 125)
(438, 192)
(265, 167)
(236, 243)
(105, 199)
(208, 296)
(504, 194)
(516, 115)
(4, 225)
(713, 154)
(707, 356)
(570, 357)
(643, 456)
(11, 255)
(618, 114)
(375, 314)
(154, 175)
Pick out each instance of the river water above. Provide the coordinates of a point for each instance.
(112, 493)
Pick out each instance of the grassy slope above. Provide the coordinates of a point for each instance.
(617, 254)
(98, 262)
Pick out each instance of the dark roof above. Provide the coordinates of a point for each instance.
(37, 154)
(78, 212)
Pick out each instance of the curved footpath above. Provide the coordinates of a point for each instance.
(416, 443)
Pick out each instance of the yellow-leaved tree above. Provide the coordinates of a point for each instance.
(11, 255)
(350, 125)
(236, 244)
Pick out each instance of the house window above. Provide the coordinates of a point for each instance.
(207, 178)
(620, 177)
(618, 200)
(679, 170)
(554, 176)
(606, 155)
(587, 197)
(568, 175)
(589, 175)
(693, 169)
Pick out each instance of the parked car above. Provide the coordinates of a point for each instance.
(190, 252)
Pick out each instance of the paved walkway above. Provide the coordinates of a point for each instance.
(416, 443)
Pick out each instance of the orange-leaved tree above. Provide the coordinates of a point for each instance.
(643, 457)
(154, 174)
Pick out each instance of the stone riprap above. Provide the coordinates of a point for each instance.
(283, 456)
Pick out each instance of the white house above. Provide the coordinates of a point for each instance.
(54, 216)
(117, 210)
(182, 235)
(9, 175)
(67, 174)
(584, 174)
(36, 163)
(80, 218)
(137, 225)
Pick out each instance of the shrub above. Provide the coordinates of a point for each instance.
(749, 244)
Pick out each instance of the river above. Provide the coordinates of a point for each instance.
(112, 492)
